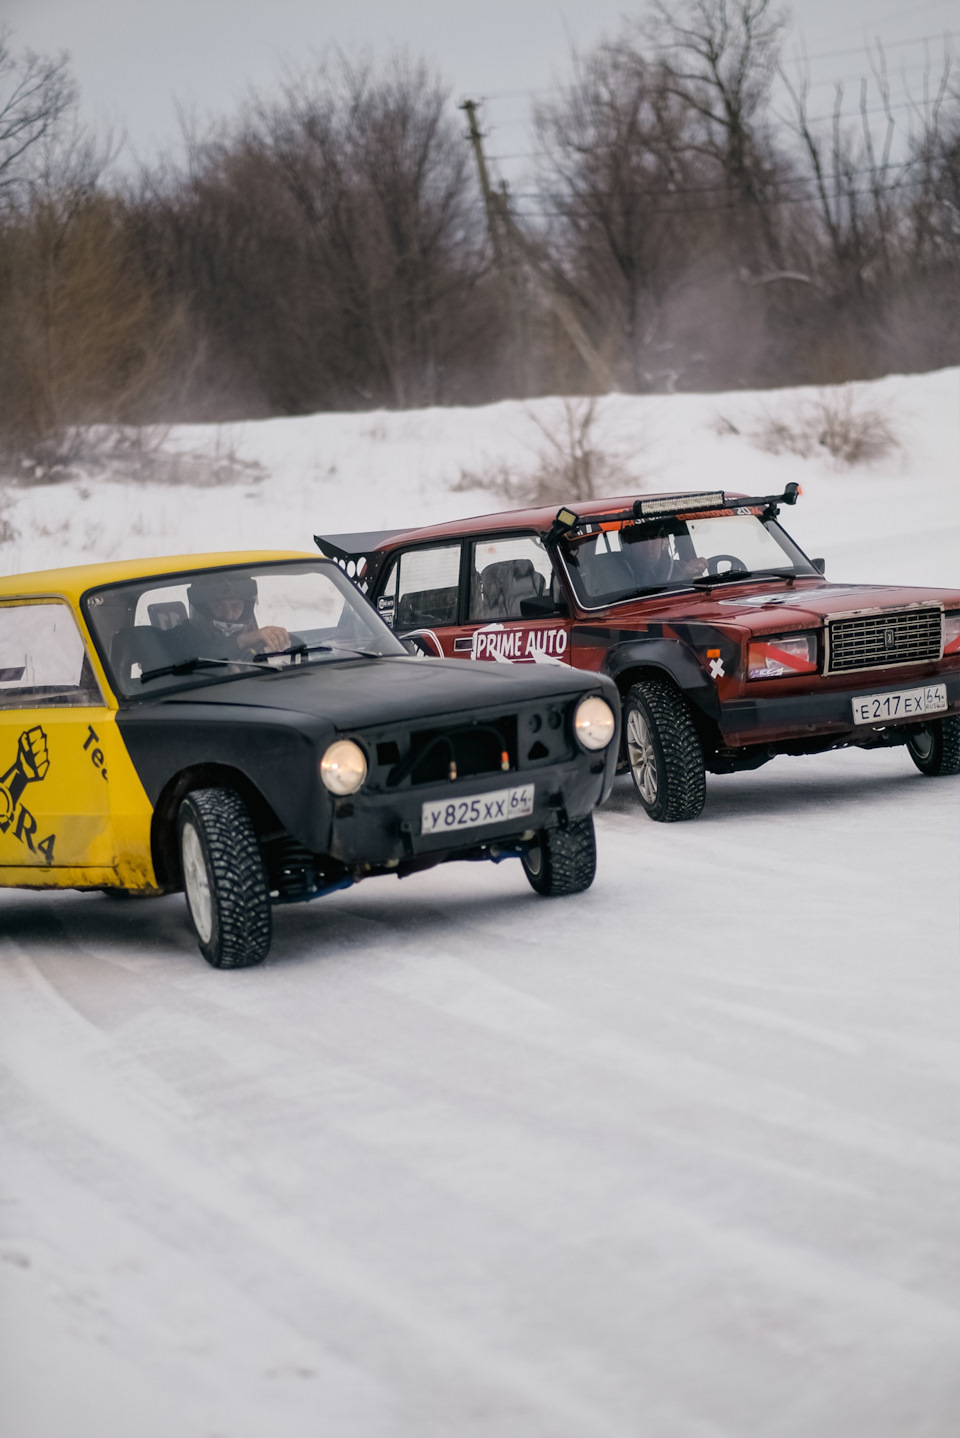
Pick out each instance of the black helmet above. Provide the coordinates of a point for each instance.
(211, 588)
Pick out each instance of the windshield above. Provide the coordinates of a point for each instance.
(673, 553)
(176, 631)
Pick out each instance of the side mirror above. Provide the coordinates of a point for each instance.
(541, 606)
(819, 565)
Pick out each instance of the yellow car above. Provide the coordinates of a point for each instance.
(245, 727)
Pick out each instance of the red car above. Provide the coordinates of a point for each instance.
(727, 644)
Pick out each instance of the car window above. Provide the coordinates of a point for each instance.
(421, 588)
(191, 629)
(642, 558)
(43, 660)
(505, 572)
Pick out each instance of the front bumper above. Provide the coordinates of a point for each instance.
(384, 828)
(828, 712)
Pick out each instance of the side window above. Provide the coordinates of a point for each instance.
(423, 587)
(506, 572)
(42, 658)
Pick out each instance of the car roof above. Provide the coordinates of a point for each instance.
(71, 582)
(539, 519)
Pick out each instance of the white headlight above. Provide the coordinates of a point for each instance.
(343, 767)
(594, 723)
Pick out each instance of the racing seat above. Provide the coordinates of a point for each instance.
(143, 645)
(427, 607)
(168, 615)
(504, 584)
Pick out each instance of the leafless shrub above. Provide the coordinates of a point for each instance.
(142, 454)
(8, 530)
(575, 461)
(853, 431)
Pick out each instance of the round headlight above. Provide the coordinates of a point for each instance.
(594, 723)
(343, 767)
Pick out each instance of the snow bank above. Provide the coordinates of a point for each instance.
(343, 472)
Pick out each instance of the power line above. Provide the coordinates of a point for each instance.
(785, 202)
(820, 55)
(896, 15)
(884, 45)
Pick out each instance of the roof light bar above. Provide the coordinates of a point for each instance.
(671, 506)
(679, 504)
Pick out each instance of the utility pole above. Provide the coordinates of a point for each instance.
(500, 238)
(505, 234)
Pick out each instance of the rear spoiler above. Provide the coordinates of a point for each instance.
(356, 554)
(569, 525)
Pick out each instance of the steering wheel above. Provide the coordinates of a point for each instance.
(715, 560)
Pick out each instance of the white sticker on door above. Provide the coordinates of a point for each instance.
(515, 645)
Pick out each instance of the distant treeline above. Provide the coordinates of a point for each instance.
(330, 246)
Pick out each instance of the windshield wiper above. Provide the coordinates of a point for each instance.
(732, 576)
(301, 649)
(187, 666)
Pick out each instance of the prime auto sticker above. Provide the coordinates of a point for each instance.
(515, 645)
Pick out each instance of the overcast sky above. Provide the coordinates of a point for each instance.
(137, 59)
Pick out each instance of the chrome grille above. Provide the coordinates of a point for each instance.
(880, 641)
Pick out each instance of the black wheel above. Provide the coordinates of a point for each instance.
(563, 861)
(935, 749)
(224, 878)
(664, 751)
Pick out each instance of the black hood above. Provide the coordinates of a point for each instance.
(354, 693)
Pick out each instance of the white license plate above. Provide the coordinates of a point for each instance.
(471, 812)
(899, 704)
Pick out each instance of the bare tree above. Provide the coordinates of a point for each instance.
(83, 335)
(720, 58)
(617, 176)
(37, 94)
(328, 244)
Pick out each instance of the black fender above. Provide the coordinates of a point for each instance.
(163, 827)
(672, 658)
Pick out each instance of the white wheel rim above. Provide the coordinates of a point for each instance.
(196, 881)
(643, 759)
(535, 860)
(922, 743)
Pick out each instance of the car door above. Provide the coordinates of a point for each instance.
(512, 609)
(420, 596)
(57, 741)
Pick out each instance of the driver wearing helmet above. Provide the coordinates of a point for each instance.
(223, 609)
(657, 561)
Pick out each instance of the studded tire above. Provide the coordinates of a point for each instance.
(935, 749)
(224, 878)
(563, 861)
(663, 750)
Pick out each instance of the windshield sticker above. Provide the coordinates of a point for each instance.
(519, 646)
(30, 767)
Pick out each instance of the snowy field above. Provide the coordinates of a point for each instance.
(678, 1158)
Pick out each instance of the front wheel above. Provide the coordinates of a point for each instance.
(224, 878)
(935, 749)
(664, 752)
(562, 861)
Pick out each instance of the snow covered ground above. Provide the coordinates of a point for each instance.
(678, 1158)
